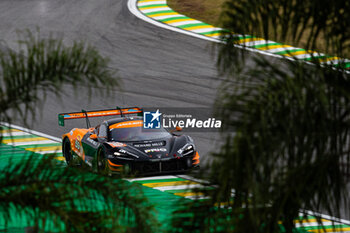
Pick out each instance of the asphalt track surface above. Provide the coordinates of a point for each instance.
(157, 67)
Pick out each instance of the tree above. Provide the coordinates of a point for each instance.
(37, 189)
(287, 148)
(41, 66)
(320, 25)
(40, 194)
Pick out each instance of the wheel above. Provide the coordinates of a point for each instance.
(67, 151)
(102, 166)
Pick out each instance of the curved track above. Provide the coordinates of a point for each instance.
(157, 67)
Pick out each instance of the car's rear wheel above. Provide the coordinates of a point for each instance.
(67, 151)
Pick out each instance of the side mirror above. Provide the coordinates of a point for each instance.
(178, 128)
(93, 136)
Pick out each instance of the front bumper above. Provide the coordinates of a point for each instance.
(155, 166)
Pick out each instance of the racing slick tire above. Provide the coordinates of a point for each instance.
(67, 152)
(102, 166)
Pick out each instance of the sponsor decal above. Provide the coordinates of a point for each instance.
(116, 144)
(151, 120)
(72, 131)
(151, 144)
(126, 124)
(155, 150)
(93, 142)
(101, 113)
(77, 143)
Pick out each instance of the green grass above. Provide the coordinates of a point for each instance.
(207, 11)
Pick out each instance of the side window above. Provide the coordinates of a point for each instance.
(96, 130)
(102, 132)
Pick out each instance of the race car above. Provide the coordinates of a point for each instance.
(122, 144)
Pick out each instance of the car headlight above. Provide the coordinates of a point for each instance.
(121, 153)
(115, 154)
(186, 150)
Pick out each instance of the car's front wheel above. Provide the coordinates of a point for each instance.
(67, 151)
(102, 166)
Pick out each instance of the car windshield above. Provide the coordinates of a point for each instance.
(137, 134)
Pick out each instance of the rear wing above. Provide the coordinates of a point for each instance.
(98, 113)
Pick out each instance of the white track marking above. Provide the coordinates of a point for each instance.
(156, 9)
(312, 224)
(258, 42)
(303, 56)
(31, 143)
(216, 37)
(55, 139)
(152, 178)
(184, 22)
(31, 131)
(132, 6)
(334, 62)
(133, 9)
(197, 197)
(49, 152)
(179, 187)
(151, 3)
(165, 17)
(186, 177)
(276, 50)
(311, 213)
(209, 29)
(11, 134)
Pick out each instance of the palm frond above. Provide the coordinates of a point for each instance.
(44, 65)
(45, 195)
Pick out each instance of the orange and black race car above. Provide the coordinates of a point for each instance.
(122, 144)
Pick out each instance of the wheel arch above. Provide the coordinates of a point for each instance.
(64, 140)
(99, 149)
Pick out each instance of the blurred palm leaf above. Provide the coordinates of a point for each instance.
(37, 191)
(286, 140)
(47, 196)
(41, 66)
(321, 25)
(288, 150)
